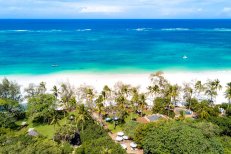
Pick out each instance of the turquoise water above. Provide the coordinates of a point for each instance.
(52, 46)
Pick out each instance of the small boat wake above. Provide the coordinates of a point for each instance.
(54, 65)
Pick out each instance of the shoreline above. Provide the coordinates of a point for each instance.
(98, 80)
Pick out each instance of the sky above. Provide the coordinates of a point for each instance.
(119, 9)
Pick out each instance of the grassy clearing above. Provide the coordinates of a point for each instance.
(43, 129)
(121, 126)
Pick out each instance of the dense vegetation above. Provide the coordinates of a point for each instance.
(179, 137)
(69, 119)
(72, 127)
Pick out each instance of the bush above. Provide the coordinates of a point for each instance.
(226, 142)
(130, 128)
(175, 138)
(228, 112)
(100, 145)
(161, 105)
(21, 143)
(7, 120)
(91, 132)
(224, 123)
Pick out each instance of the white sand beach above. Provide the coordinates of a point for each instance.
(135, 79)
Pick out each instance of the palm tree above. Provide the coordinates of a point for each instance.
(153, 90)
(217, 84)
(134, 101)
(55, 120)
(142, 103)
(228, 92)
(211, 88)
(82, 115)
(89, 95)
(202, 109)
(199, 87)
(172, 92)
(55, 91)
(175, 91)
(67, 93)
(121, 107)
(121, 102)
(158, 79)
(99, 104)
(125, 89)
(107, 91)
(42, 88)
(188, 92)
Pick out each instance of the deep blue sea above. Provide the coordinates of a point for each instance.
(52, 46)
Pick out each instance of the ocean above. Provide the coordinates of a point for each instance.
(54, 46)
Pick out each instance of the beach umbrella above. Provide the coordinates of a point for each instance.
(125, 137)
(120, 133)
(108, 119)
(133, 145)
(116, 118)
(32, 132)
(24, 123)
(118, 138)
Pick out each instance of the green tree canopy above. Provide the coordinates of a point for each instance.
(41, 108)
(175, 138)
(10, 90)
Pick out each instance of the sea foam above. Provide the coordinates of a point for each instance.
(175, 29)
(83, 30)
(142, 29)
(222, 29)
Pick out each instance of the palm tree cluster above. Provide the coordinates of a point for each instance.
(123, 99)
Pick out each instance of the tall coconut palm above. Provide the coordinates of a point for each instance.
(99, 105)
(211, 89)
(121, 107)
(175, 91)
(42, 88)
(82, 115)
(188, 92)
(202, 109)
(217, 84)
(199, 87)
(153, 90)
(121, 102)
(142, 103)
(126, 89)
(172, 92)
(228, 92)
(134, 100)
(90, 95)
(55, 91)
(158, 79)
(55, 120)
(66, 94)
(107, 91)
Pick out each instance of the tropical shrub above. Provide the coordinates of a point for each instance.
(130, 128)
(175, 138)
(103, 145)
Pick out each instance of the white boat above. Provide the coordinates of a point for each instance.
(184, 57)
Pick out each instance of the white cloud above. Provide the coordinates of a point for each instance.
(115, 9)
(226, 10)
(101, 9)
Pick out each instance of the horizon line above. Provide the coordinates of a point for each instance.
(115, 18)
